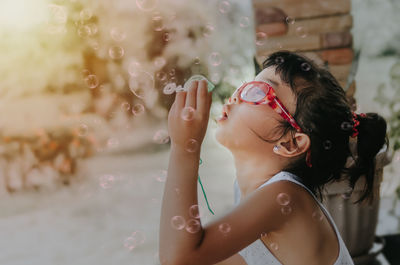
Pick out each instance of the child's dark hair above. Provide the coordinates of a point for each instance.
(324, 114)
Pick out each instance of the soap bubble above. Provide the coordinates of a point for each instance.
(327, 145)
(187, 113)
(83, 130)
(167, 36)
(290, 20)
(279, 60)
(125, 106)
(305, 67)
(215, 78)
(159, 62)
(193, 226)
(154, 200)
(301, 32)
(112, 142)
(85, 72)
(194, 211)
(84, 31)
(137, 238)
(283, 199)
(191, 145)
(178, 222)
(172, 72)
(161, 137)
(143, 81)
(138, 109)
(261, 38)
(94, 44)
(146, 5)
(86, 14)
(137, 91)
(116, 52)
(244, 22)
(91, 81)
(317, 215)
(347, 194)
(274, 246)
(224, 7)
(162, 76)
(157, 22)
(196, 60)
(169, 88)
(93, 28)
(346, 126)
(135, 88)
(58, 14)
(106, 181)
(286, 210)
(215, 59)
(117, 34)
(134, 68)
(161, 175)
(224, 228)
(208, 30)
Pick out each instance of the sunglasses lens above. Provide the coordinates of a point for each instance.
(252, 93)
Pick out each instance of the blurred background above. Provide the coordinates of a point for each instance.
(85, 89)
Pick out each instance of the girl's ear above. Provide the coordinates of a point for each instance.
(287, 147)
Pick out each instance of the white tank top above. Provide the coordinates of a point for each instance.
(257, 254)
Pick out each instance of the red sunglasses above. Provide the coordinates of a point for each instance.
(258, 92)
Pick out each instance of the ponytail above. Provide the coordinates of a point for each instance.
(370, 131)
(324, 113)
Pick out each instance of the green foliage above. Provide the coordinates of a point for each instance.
(392, 103)
(222, 91)
(388, 51)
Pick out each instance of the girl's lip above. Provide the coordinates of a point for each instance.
(222, 118)
(225, 111)
(224, 114)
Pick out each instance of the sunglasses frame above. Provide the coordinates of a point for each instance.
(271, 99)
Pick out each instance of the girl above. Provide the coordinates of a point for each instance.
(290, 132)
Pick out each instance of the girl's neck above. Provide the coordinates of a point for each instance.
(253, 170)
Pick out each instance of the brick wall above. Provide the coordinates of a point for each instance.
(318, 29)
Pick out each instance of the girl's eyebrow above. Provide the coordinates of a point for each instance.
(270, 81)
(276, 84)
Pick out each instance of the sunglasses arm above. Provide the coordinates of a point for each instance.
(281, 110)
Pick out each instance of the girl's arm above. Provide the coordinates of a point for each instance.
(180, 192)
(259, 212)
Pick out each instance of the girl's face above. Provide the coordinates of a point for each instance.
(246, 124)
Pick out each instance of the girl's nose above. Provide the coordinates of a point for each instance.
(234, 99)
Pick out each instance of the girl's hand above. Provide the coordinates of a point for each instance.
(188, 117)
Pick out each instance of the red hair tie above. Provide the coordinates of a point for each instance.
(356, 123)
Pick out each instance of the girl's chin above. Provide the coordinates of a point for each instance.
(222, 137)
(219, 135)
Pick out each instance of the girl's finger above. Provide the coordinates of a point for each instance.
(180, 99)
(191, 95)
(209, 99)
(208, 107)
(173, 107)
(202, 97)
